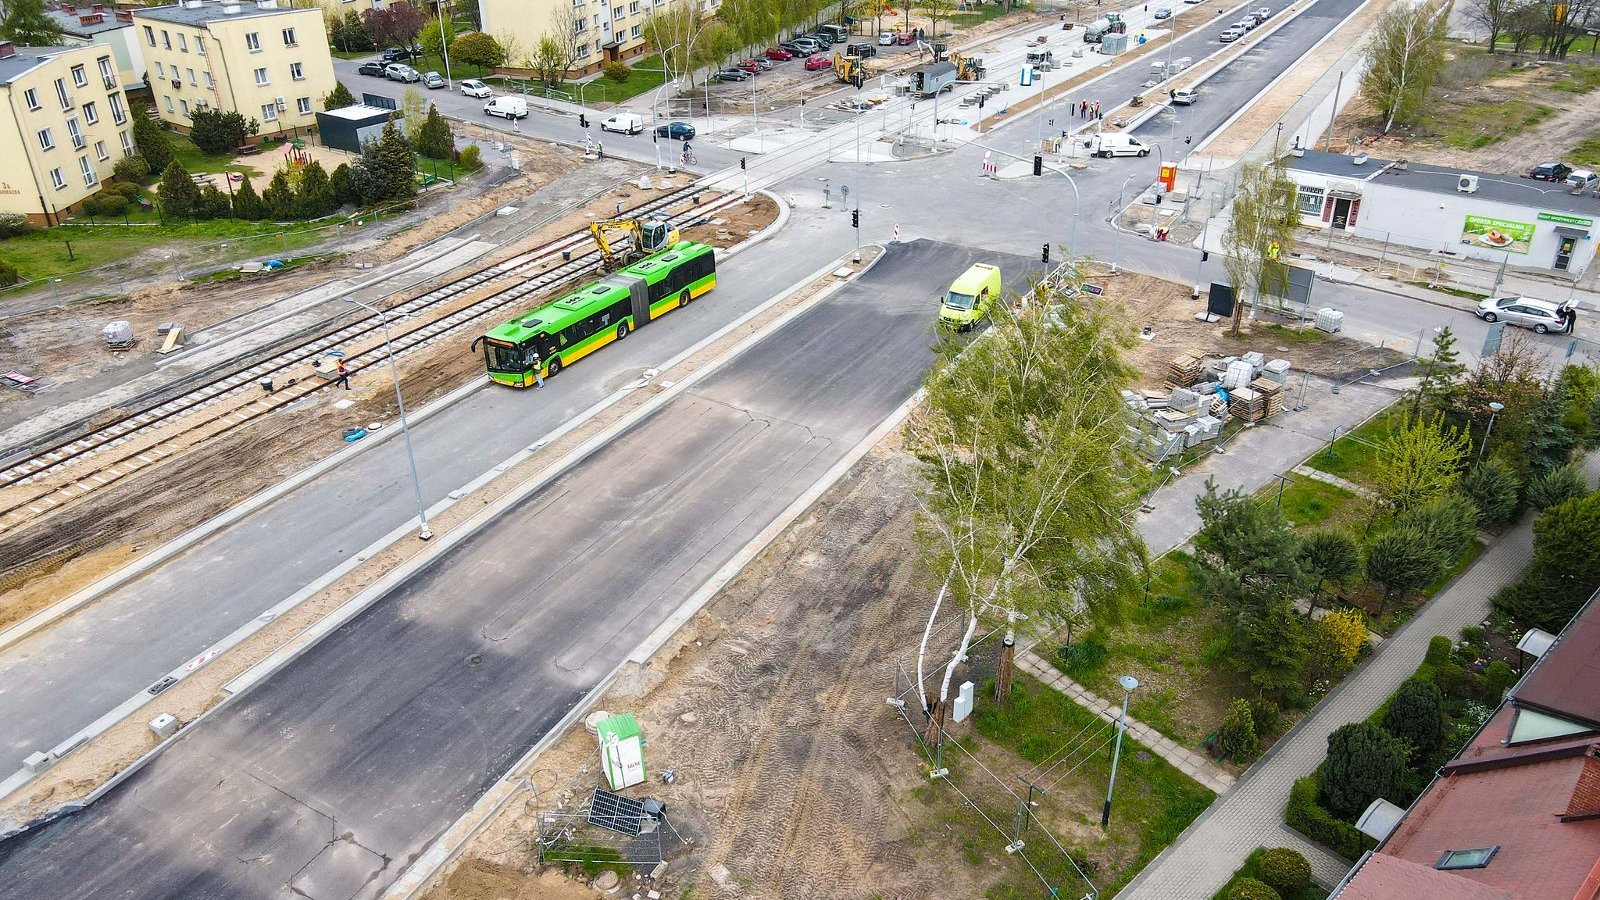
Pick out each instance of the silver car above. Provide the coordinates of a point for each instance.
(1540, 315)
(402, 73)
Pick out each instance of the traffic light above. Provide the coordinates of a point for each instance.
(583, 121)
(741, 163)
(855, 218)
(1045, 256)
(1038, 164)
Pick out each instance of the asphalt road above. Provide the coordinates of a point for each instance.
(63, 677)
(330, 776)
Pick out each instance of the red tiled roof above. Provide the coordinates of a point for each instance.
(1564, 679)
(1385, 877)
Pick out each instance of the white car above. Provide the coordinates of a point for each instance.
(472, 87)
(886, 39)
(624, 123)
(1540, 315)
(1163, 12)
(1231, 35)
(1184, 97)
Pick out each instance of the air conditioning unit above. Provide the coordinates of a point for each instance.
(177, 82)
(201, 104)
(280, 103)
(1467, 184)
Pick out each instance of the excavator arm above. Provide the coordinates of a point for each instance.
(644, 237)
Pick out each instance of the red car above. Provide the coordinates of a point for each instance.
(750, 66)
(779, 54)
(813, 63)
(906, 38)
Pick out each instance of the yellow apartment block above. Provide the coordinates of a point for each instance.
(606, 30)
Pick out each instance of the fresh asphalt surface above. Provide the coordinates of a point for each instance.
(335, 773)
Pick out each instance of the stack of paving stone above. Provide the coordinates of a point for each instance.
(1186, 370)
(1268, 389)
(1248, 404)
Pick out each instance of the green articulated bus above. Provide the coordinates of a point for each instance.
(559, 334)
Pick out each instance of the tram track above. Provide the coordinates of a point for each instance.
(63, 472)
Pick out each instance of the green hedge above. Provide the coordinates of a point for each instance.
(1305, 815)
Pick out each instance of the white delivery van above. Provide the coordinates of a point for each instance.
(507, 107)
(624, 123)
(1112, 144)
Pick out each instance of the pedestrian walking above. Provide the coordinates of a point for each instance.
(600, 150)
(538, 374)
(341, 375)
(1083, 108)
(1097, 109)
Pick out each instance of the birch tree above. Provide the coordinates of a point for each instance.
(1028, 495)
(1404, 56)
(1260, 236)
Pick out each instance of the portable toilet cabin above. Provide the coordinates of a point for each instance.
(1113, 44)
(621, 751)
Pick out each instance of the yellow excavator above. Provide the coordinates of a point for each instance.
(645, 238)
(968, 68)
(851, 69)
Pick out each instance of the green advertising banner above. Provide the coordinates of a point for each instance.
(1497, 234)
(1566, 220)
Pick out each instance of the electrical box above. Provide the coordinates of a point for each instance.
(621, 751)
(963, 705)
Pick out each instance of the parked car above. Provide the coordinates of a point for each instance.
(1255, 19)
(677, 131)
(886, 39)
(398, 54)
(1233, 33)
(472, 87)
(808, 44)
(1581, 180)
(818, 62)
(402, 73)
(756, 66)
(1184, 97)
(1540, 315)
(507, 107)
(432, 80)
(371, 68)
(906, 38)
(1163, 12)
(795, 49)
(1264, 12)
(779, 54)
(862, 51)
(1550, 171)
(625, 123)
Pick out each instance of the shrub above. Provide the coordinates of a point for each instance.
(1417, 717)
(1084, 656)
(1473, 634)
(1557, 487)
(1251, 889)
(111, 205)
(1265, 715)
(215, 131)
(471, 158)
(1493, 488)
(1364, 763)
(1439, 650)
(1497, 679)
(8, 274)
(213, 204)
(1450, 523)
(179, 195)
(617, 71)
(247, 203)
(1237, 739)
(1305, 815)
(131, 169)
(1285, 870)
(13, 224)
(344, 185)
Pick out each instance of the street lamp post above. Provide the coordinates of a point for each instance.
(1116, 233)
(1129, 685)
(655, 118)
(444, 44)
(1077, 199)
(1494, 410)
(405, 425)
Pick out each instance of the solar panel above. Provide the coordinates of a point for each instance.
(615, 812)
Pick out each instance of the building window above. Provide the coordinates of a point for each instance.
(166, 40)
(169, 102)
(288, 38)
(1310, 200)
(90, 113)
(46, 140)
(616, 12)
(80, 78)
(58, 179)
(62, 95)
(183, 42)
(634, 32)
(149, 36)
(127, 143)
(297, 72)
(580, 26)
(303, 105)
(184, 106)
(89, 177)
(252, 42)
(32, 98)
(210, 85)
(76, 132)
(261, 77)
(161, 72)
(269, 112)
(200, 45)
(191, 76)
(118, 114)
(100, 151)
(108, 75)
(1475, 858)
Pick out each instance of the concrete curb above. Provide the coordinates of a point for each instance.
(184, 542)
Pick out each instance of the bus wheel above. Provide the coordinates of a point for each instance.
(552, 367)
(622, 330)
(684, 298)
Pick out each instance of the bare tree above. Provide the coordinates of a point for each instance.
(1404, 57)
(1491, 15)
(559, 49)
(676, 32)
(1260, 234)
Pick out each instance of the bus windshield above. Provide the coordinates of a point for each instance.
(959, 301)
(501, 357)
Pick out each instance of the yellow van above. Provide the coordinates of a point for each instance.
(969, 298)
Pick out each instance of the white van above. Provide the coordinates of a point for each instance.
(507, 107)
(1112, 144)
(624, 123)
(1581, 180)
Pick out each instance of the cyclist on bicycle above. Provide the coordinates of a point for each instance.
(688, 152)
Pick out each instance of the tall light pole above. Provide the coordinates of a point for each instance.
(405, 426)
(1116, 233)
(444, 43)
(1077, 199)
(655, 117)
(1129, 685)
(1494, 410)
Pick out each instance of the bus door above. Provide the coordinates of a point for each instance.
(638, 296)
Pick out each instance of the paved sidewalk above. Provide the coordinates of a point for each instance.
(1251, 815)
(1192, 764)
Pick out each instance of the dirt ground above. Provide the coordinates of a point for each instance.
(269, 161)
(1477, 79)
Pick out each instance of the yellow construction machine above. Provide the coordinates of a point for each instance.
(851, 69)
(968, 68)
(645, 237)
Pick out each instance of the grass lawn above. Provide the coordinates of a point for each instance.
(975, 16)
(1309, 503)
(1355, 455)
(645, 74)
(1448, 289)
(1575, 79)
(1154, 801)
(1587, 153)
(1252, 869)
(1278, 332)
(196, 161)
(1481, 124)
(43, 253)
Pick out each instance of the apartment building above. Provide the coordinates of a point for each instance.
(63, 124)
(104, 26)
(267, 62)
(607, 30)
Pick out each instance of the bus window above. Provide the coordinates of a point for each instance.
(501, 358)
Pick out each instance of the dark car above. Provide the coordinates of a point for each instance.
(371, 68)
(863, 51)
(1550, 171)
(397, 54)
(677, 131)
(734, 75)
